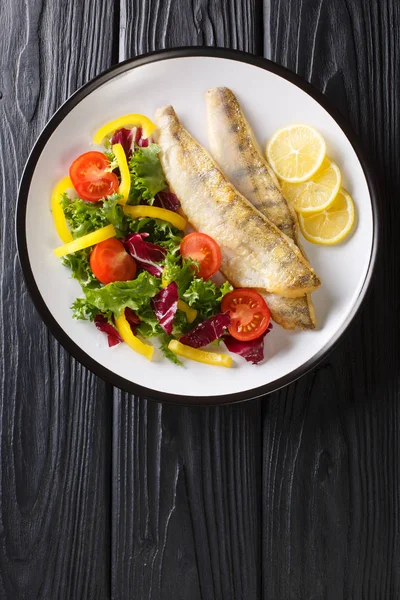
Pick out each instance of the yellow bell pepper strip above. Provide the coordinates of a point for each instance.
(86, 240)
(202, 356)
(191, 313)
(125, 332)
(58, 213)
(143, 210)
(125, 185)
(128, 121)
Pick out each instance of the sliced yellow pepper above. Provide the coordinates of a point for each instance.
(128, 121)
(125, 185)
(202, 356)
(191, 313)
(86, 240)
(125, 332)
(143, 210)
(56, 208)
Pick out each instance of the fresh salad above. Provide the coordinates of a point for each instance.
(142, 277)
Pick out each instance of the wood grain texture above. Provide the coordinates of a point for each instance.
(331, 441)
(55, 420)
(293, 497)
(156, 24)
(186, 500)
(185, 506)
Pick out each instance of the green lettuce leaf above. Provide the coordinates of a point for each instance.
(113, 213)
(165, 339)
(84, 217)
(205, 297)
(147, 177)
(83, 310)
(110, 155)
(179, 270)
(114, 297)
(180, 325)
(161, 232)
(79, 264)
(149, 326)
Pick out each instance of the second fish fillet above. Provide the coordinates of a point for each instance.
(234, 147)
(254, 251)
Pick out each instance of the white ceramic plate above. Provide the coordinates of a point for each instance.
(271, 98)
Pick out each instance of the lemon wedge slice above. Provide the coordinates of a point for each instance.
(296, 152)
(332, 225)
(317, 193)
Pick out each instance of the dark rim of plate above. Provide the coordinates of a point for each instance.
(41, 306)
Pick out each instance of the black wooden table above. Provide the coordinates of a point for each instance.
(295, 496)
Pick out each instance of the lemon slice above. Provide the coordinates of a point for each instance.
(329, 226)
(318, 192)
(296, 152)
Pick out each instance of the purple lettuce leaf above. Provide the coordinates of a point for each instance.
(208, 331)
(112, 334)
(168, 200)
(139, 139)
(252, 351)
(124, 137)
(132, 318)
(164, 305)
(146, 254)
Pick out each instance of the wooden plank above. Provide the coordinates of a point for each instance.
(185, 500)
(55, 418)
(331, 441)
(186, 480)
(153, 25)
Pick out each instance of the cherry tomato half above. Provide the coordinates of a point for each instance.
(204, 250)
(249, 314)
(89, 176)
(110, 262)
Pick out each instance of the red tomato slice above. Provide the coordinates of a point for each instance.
(249, 314)
(110, 262)
(204, 250)
(89, 177)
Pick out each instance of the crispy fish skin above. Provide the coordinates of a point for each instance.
(234, 147)
(291, 313)
(254, 251)
(236, 150)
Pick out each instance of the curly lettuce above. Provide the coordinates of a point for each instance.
(147, 177)
(84, 217)
(205, 296)
(112, 298)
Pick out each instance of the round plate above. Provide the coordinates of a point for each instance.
(271, 97)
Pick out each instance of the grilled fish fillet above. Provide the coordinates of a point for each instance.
(235, 149)
(254, 251)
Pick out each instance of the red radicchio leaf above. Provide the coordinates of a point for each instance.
(146, 254)
(132, 318)
(168, 200)
(112, 334)
(124, 137)
(206, 332)
(165, 304)
(139, 139)
(252, 351)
